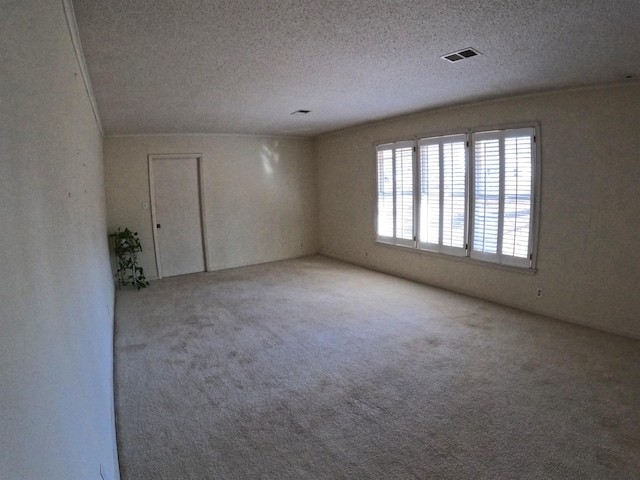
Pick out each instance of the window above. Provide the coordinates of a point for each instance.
(502, 196)
(443, 202)
(395, 193)
(439, 195)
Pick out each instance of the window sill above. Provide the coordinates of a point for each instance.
(454, 258)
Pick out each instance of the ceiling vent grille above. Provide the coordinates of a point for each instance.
(460, 55)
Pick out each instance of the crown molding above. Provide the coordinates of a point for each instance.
(77, 47)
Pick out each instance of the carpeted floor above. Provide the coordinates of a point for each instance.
(315, 369)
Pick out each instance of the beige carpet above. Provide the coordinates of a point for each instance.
(315, 369)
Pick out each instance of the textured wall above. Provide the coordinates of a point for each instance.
(259, 193)
(588, 255)
(56, 292)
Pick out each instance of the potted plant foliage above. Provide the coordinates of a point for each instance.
(128, 272)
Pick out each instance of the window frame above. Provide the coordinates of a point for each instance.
(465, 255)
(499, 257)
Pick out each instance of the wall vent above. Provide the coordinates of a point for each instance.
(460, 55)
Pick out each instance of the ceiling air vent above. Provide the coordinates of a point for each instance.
(460, 55)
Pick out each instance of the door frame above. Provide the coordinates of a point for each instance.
(203, 225)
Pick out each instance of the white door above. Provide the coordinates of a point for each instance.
(177, 214)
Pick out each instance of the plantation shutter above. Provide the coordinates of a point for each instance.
(503, 163)
(443, 194)
(395, 215)
(429, 195)
(385, 193)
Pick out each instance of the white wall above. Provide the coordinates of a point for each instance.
(588, 255)
(259, 194)
(56, 292)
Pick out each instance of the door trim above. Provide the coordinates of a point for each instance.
(203, 224)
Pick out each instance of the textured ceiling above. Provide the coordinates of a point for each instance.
(240, 66)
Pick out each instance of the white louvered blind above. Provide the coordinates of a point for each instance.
(404, 193)
(487, 194)
(385, 193)
(395, 216)
(502, 199)
(429, 193)
(443, 196)
(446, 197)
(517, 195)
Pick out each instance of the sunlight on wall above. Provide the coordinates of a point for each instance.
(270, 157)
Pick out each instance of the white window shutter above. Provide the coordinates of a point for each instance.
(430, 193)
(395, 206)
(518, 195)
(385, 194)
(443, 195)
(503, 163)
(404, 193)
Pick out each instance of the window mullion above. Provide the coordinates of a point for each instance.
(416, 195)
(441, 192)
(534, 198)
(501, 213)
(469, 170)
(393, 192)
